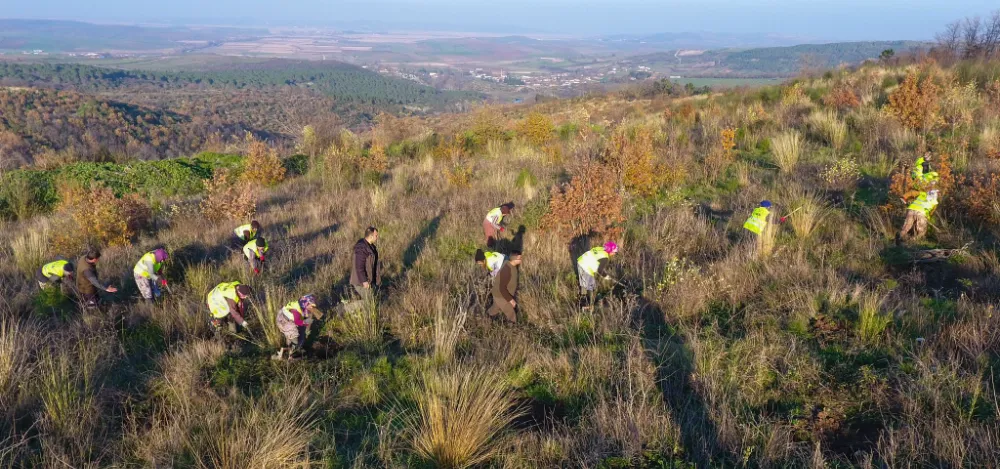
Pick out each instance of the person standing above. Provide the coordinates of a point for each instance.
(505, 289)
(254, 253)
(54, 272)
(493, 225)
(147, 273)
(88, 284)
(227, 303)
(365, 272)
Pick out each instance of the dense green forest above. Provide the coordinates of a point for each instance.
(343, 82)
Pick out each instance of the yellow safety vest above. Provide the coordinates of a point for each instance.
(217, 303)
(142, 267)
(248, 227)
(494, 261)
(293, 306)
(495, 213)
(253, 248)
(757, 221)
(590, 261)
(57, 268)
(923, 204)
(920, 176)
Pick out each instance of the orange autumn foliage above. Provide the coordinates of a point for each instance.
(589, 203)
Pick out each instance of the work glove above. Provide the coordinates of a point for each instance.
(163, 282)
(607, 278)
(782, 220)
(502, 229)
(243, 324)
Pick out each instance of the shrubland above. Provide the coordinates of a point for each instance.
(828, 349)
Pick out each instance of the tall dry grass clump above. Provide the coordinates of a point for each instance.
(361, 326)
(786, 148)
(460, 416)
(275, 298)
(447, 332)
(31, 249)
(271, 432)
(15, 355)
(828, 126)
(810, 209)
(872, 321)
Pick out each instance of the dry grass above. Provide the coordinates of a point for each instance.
(461, 415)
(810, 210)
(448, 331)
(786, 149)
(31, 249)
(828, 127)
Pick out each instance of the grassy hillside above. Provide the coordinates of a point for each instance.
(821, 345)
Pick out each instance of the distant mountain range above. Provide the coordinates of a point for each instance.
(707, 40)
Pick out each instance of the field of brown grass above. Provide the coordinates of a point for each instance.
(823, 345)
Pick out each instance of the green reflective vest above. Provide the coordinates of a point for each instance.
(55, 268)
(757, 221)
(590, 261)
(494, 261)
(924, 204)
(254, 249)
(495, 216)
(290, 307)
(248, 227)
(919, 174)
(147, 266)
(217, 303)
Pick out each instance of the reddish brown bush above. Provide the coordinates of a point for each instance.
(916, 103)
(983, 200)
(228, 198)
(589, 203)
(842, 97)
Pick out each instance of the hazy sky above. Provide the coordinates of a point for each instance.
(828, 19)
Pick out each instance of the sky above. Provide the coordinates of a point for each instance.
(818, 19)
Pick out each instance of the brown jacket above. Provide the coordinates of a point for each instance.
(365, 267)
(86, 278)
(505, 285)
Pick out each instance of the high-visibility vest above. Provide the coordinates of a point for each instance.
(495, 216)
(757, 221)
(494, 261)
(290, 307)
(55, 268)
(919, 174)
(253, 248)
(923, 204)
(590, 261)
(146, 262)
(217, 303)
(248, 227)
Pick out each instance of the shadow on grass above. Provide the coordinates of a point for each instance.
(668, 351)
(306, 269)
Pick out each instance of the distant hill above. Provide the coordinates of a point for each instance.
(338, 80)
(704, 40)
(771, 61)
(18, 35)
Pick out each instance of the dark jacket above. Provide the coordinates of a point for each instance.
(365, 267)
(87, 282)
(505, 285)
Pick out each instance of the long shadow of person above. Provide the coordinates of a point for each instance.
(516, 243)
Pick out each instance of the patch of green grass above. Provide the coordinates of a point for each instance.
(247, 374)
(52, 302)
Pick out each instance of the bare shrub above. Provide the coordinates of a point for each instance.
(589, 203)
(228, 198)
(95, 216)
